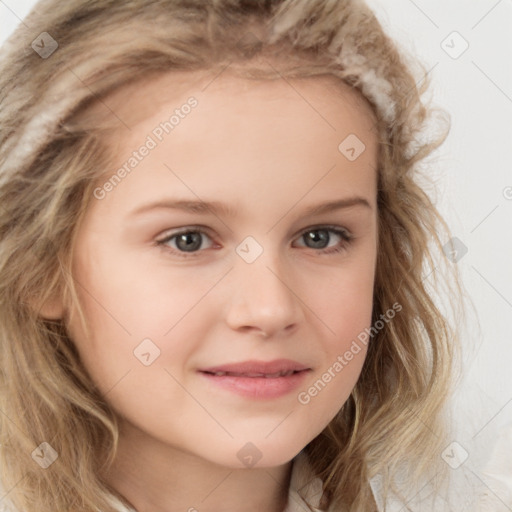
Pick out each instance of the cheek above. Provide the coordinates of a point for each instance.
(123, 307)
(343, 304)
(343, 299)
(129, 316)
(348, 314)
(325, 395)
(146, 300)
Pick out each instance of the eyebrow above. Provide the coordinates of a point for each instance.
(218, 208)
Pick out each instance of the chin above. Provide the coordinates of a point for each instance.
(258, 455)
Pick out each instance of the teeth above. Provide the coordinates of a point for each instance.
(278, 374)
(255, 375)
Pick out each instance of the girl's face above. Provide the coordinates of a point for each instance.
(239, 231)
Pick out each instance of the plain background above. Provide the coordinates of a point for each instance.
(473, 171)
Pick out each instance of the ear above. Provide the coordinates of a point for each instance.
(52, 310)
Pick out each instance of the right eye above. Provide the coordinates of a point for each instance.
(185, 241)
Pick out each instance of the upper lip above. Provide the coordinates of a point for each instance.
(256, 368)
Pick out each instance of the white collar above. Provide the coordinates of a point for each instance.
(305, 490)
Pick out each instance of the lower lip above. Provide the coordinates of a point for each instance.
(258, 387)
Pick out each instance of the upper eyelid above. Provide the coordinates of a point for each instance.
(326, 227)
(178, 231)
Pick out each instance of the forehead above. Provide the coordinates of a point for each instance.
(250, 137)
(130, 104)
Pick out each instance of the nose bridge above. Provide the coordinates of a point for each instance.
(262, 298)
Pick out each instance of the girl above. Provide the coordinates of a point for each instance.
(213, 260)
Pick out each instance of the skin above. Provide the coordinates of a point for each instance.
(268, 150)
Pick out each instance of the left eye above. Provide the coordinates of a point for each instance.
(322, 238)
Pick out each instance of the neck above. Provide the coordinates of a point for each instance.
(155, 477)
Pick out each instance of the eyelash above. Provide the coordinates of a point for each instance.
(346, 239)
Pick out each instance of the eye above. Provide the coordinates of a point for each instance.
(185, 241)
(190, 241)
(327, 239)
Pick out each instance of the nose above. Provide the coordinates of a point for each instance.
(263, 299)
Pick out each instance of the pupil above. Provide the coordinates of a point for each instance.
(189, 241)
(319, 239)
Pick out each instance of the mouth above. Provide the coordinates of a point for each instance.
(255, 375)
(258, 379)
(270, 369)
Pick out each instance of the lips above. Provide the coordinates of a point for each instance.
(257, 380)
(271, 369)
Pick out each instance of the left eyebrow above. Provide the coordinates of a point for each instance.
(337, 205)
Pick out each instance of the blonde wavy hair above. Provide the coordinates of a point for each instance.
(393, 426)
